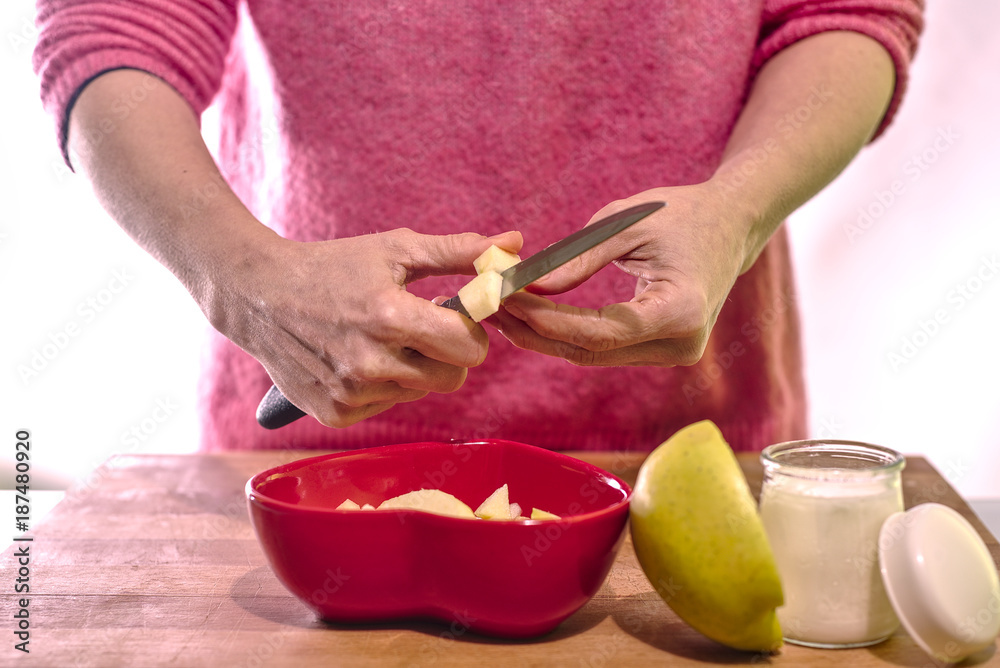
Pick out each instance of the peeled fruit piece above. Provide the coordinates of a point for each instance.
(481, 295)
(495, 259)
(496, 506)
(431, 501)
(701, 543)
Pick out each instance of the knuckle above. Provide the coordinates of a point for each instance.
(389, 321)
(364, 371)
(477, 355)
(401, 235)
(580, 356)
(594, 342)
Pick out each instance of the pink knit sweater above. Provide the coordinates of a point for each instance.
(475, 115)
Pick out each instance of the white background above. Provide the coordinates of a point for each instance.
(124, 382)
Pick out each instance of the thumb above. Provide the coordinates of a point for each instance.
(583, 266)
(436, 255)
(579, 269)
(508, 241)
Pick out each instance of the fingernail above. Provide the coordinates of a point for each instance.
(502, 234)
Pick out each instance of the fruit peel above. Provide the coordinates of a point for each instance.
(700, 541)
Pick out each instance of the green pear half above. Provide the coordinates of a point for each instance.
(701, 543)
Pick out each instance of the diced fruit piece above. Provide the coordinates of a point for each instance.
(495, 259)
(496, 506)
(431, 501)
(481, 295)
(701, 542)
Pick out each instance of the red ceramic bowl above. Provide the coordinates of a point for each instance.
(508, 579)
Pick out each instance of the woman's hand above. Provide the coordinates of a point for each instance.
(335, 328)
(684, 258)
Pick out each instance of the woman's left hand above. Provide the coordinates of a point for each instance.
(685, 259)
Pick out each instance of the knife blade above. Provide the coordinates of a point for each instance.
(275, 411)
(527, 271)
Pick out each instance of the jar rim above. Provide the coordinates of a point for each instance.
(832, 459)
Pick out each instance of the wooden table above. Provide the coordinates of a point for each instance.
(153, 562)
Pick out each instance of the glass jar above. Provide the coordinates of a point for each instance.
(823, 504)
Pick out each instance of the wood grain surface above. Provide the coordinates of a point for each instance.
(152, 562)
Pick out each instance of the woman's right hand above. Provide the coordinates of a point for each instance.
(336, 329)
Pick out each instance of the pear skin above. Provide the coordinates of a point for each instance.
(700, 541)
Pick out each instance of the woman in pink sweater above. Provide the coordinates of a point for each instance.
(344, 124)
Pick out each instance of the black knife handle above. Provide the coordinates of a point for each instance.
(275, 411)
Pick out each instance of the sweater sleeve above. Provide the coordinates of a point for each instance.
(896, 24)
(183, 42)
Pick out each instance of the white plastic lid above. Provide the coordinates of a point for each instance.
(941, 580)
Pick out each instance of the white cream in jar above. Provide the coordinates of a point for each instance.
(823, 504)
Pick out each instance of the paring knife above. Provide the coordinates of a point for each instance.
(276, 411)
